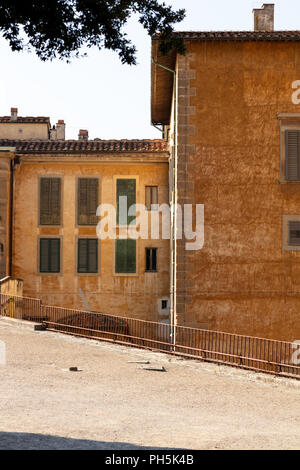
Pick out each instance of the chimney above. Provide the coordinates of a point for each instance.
(60, 129)
(53, 133)
(13, 114)
(83, 134)
(264, 17)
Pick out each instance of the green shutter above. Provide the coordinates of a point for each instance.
(87, 255)
(126, 188)
(44, 255)
(49, 255)
(87, 201)
(292, 155)
(125, 256)
(50, 201)
(294, 233)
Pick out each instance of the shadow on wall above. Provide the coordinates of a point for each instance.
(29, 441)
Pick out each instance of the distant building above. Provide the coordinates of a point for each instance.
(50, 189)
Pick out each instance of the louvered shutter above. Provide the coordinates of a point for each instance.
(294, 233)
(151, 197)
(49, 255)
(87, 201)
(93, 256)
(82, 255)
(125, 256)
(44, 255)
(292, 155)
(126, 187)
(55, 255)
(148, 198)
(87, 255)
(50, 201)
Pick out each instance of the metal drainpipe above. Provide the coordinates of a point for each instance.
(173, 280)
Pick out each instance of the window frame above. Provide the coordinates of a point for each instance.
(151, 270)
(116, 273)
(133, 178)
(50, 273)
(286, 246)
(87, 237)
(61, 178)
(288, 122)
(92, 177)
(151, 204)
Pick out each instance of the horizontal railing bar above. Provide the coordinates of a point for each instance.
(265, 353)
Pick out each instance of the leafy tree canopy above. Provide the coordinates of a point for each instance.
(61, 28)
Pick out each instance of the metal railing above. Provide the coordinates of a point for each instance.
(258, 354)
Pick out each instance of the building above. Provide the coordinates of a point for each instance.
(50, 189)
(231, 107)
(229, 111)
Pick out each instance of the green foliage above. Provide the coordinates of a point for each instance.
(61, 28)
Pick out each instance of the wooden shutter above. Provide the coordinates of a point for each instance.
(49, 255)
(151, 197)
(126, 187)
(87, 255)
(294, 233)
(292, 155)
(125, 256)
(50, 201)
(87, 201)
(44, 255)
(55, 255)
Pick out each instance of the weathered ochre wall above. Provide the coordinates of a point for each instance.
(242, 281)
(24, 131)
(130, 295)
(11, 286)
(5, 158)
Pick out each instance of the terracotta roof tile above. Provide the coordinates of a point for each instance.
(237, 35)
(89, 146)
(20, 119)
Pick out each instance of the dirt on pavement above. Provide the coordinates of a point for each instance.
(111, 403)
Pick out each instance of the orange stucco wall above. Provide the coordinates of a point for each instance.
(130, 295)
(230, 94)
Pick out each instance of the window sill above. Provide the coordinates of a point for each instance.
(283, 181)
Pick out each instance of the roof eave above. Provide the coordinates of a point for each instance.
(161, 85)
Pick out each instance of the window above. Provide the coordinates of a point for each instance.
(49, 255)
(292, 155)
(125, 256)
(126, 188)
(50, 201)
(151, 197)
(151, 259)
(87, 255)
(164, 304)
(87, 201)
(294, 233)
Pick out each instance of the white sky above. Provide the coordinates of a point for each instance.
(100, 94)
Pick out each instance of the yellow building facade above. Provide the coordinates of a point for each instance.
(55, 248)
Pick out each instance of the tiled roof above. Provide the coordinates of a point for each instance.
(89, 146)
(237, 35)
(20, 119)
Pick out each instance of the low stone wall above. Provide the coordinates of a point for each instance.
(11, 286)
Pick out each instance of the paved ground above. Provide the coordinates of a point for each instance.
(112, 404)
